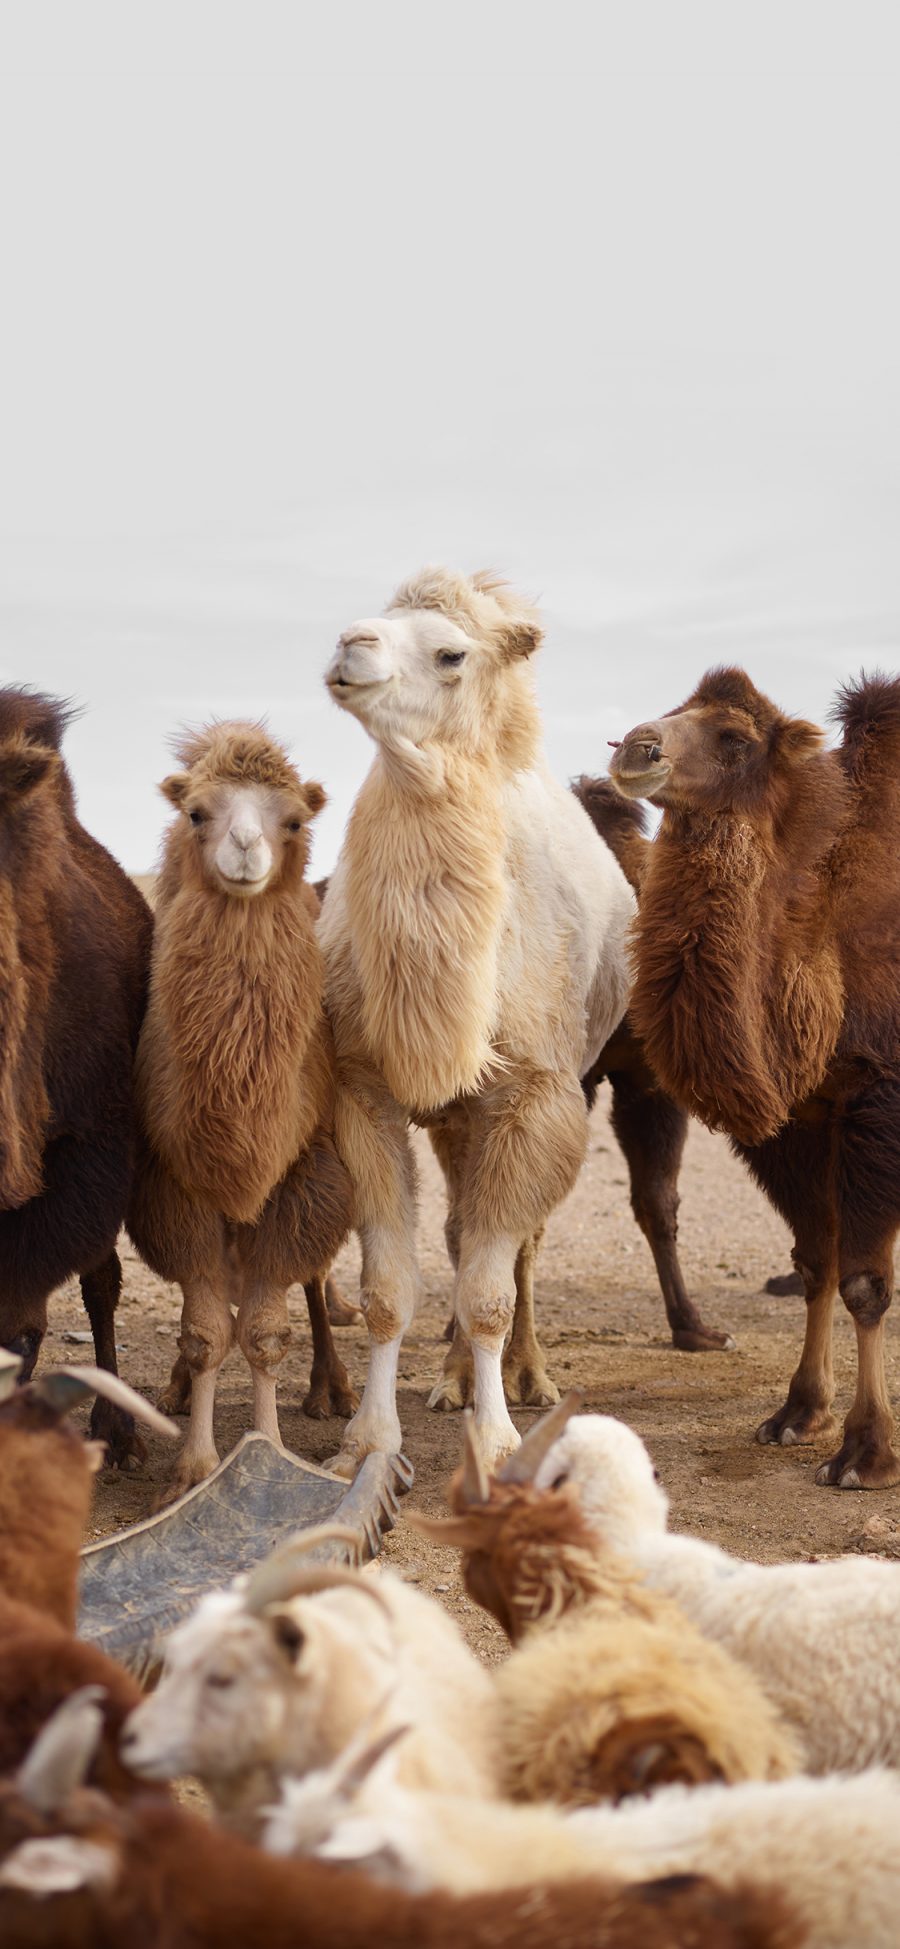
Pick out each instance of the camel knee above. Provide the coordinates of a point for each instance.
(867, 1296)
(264, 1342)
(205, 1344)
(485, 1296)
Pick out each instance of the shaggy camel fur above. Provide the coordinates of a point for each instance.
(74, 958)
(474, 934)
(768, 997)
(239, 1189)
(610, 1688)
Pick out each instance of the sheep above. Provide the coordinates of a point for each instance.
(832, 1843)
(273, 1675)
(609, 1688)
(46, 1474)
(78, 1873)
(821, 1637)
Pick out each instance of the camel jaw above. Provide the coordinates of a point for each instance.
(644, 784)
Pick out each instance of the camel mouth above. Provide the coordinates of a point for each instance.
(242, 883)
(343, 687)
(643, 784)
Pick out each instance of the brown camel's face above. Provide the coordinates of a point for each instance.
(245, 834)
(689, 757)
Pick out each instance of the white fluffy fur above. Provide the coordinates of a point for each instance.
(823, 1638)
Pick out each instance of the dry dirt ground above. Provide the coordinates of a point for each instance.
(601, 1320)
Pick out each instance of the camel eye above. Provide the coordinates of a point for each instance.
(451, 659)
(731, 745)
(220, 1681)
(197, 818)
(295, 825)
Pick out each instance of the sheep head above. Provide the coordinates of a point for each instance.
(607, 1466)
(527, 1552)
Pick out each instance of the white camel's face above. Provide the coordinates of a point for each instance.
(410, 675)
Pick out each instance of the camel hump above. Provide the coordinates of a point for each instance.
(868, 711)
(621, 822)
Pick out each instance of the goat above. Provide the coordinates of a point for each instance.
(78, 1873)
(272, 1677)
(609, 1688)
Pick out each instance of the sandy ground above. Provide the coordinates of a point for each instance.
(601, 1320)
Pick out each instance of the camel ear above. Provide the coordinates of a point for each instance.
(519, 636)
(798, 740)
(315, 797)
(175, 788)
(23, 768)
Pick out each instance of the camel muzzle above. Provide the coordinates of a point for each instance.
(639, 766)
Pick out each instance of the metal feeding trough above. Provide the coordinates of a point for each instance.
(137, 1585)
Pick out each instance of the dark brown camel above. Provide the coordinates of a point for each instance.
(768, 997)
(74, 959)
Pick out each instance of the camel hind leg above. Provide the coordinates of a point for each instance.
(525, 1377)
(329, 1387)
(651, 1131)
(796, 1171)
(869, 1216)
(112, 1425)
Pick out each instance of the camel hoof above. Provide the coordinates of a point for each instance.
(449, 1394)
(529, 1387)
(860, 1466)
(171, 1401)
(321, 1403)
(341, 1311)
(702, 1339)
(795, 1426)
(115, 1427)
(785, 1285)
(186, 1476)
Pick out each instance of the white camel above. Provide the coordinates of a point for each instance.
(474, 937)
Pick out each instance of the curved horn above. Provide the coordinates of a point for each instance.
(475, 1485)
(63, 1750)
(288, 1580)
(364, 1761)
(10, 1369)
(65, 1387)
(524, 1464)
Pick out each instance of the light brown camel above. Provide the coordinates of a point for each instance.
(768, 998)
(239, 1189)
(474, 935)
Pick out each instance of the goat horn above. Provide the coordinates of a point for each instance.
(65, 1387)
(363, 1763)
(284, 1574)
(10, 1369)
(460, 1532)
(63, 1750)
(524, 1464)
(475, 1485)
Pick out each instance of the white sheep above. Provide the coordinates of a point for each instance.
(822, 1638)
(274, 1675)
(830, 1844)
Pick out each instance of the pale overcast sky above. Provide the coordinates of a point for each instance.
(296, 299)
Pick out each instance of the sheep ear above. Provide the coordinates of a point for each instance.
(315, 796)
(461, 1532)
(175, 788)
(289, 1636)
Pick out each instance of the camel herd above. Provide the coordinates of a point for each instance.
(234, 1078)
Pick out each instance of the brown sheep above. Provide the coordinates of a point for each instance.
(239, 1190)
(767, 996)
(610, 1689)
(93, 1876)
(74, 959)
(46, 1478)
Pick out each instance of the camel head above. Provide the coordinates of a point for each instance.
(443, 664)
(719, 751)
(244, 809)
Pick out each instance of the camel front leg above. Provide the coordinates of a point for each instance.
(207, 1333)
(372, 1139)
(485, 1303)
(806, 1413)
(263, 1334)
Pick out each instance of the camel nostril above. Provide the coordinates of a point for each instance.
(654, 754)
